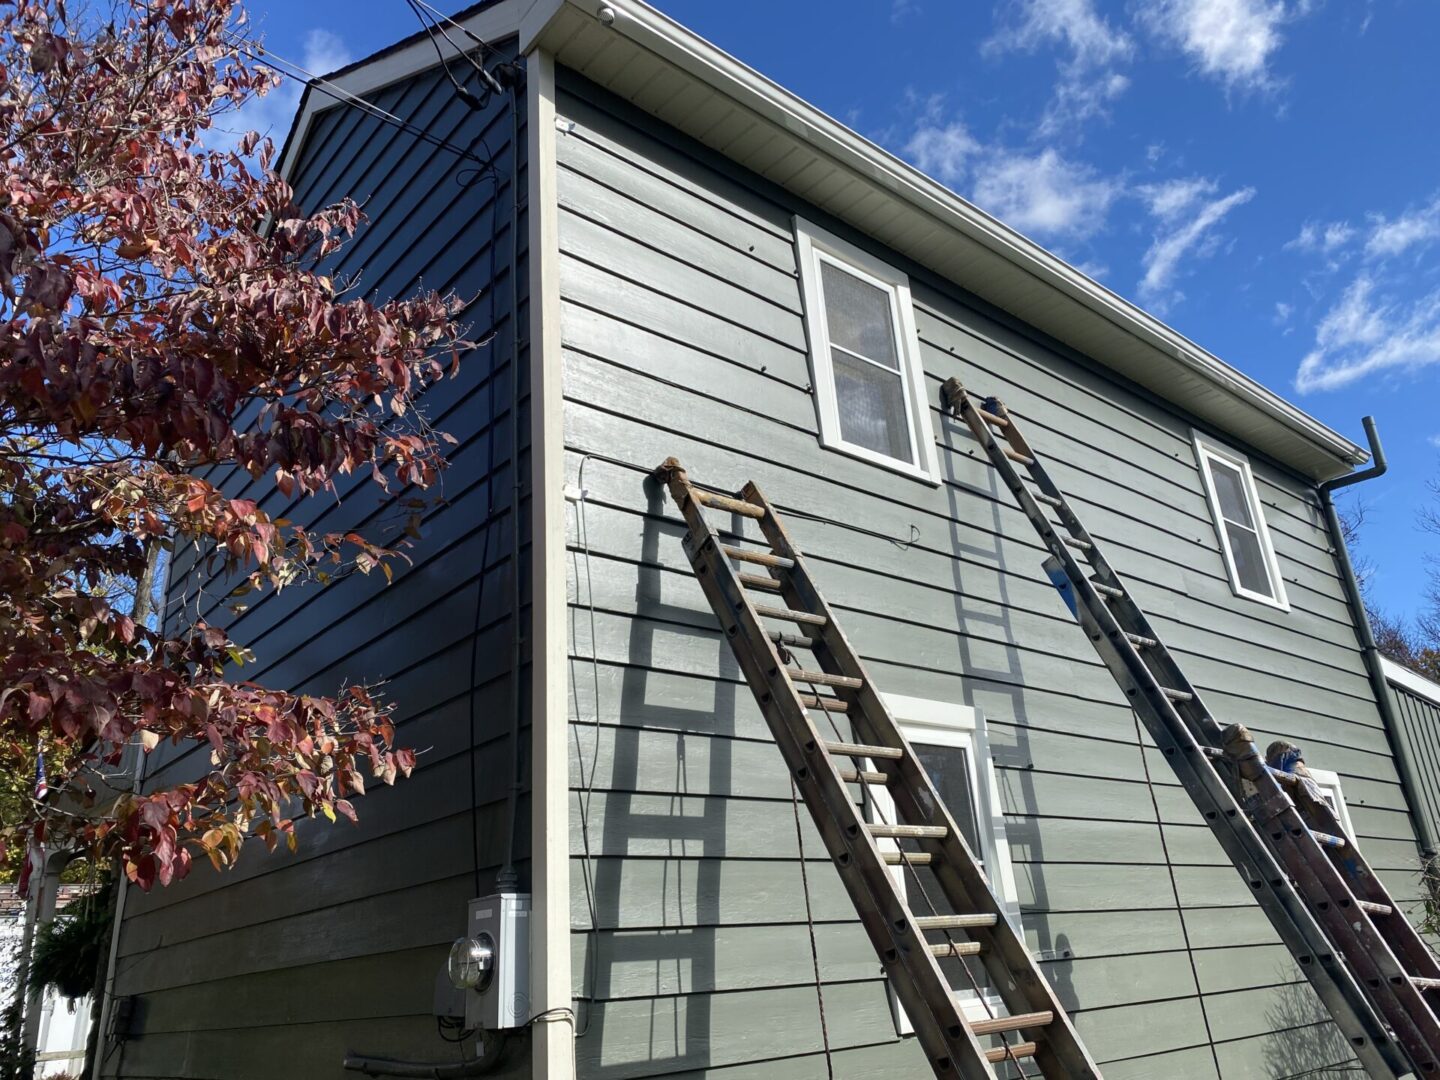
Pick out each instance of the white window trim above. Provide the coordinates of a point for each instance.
(812, 245)
(1207, 448)
(943, 723)
(1329, 781)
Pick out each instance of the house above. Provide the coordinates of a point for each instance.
(679, 258)
(59, 1025)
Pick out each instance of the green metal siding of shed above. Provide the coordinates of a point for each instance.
(281, 966)
(1419, 718)
(683, 335)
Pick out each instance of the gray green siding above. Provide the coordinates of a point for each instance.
(280, 967)
(683, 335)
(1419, 719)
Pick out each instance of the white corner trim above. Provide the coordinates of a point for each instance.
(1416, 684)
(553, 1045)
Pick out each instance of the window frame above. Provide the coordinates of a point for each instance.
(1328, 781)
(944, 723)
(814, 245)
(1207, 450)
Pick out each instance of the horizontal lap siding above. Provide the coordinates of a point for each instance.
(282, 966)
(683, 336)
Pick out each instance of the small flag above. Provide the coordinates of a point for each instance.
(42, 788)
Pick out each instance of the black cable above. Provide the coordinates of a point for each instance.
(492, 85)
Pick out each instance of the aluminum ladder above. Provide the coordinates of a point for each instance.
(1370, 968)
(1036, 1033)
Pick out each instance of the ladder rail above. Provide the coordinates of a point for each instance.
(966, 887)
(947, 1039)
(1183, 730)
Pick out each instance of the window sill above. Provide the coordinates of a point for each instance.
(870, 457)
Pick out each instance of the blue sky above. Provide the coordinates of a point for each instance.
(1263, 174)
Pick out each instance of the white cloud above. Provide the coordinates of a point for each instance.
(1364, 334)
(1187, 216)
(942, 150)
(1414, 227)
(1323, 238)
(1283, 311)
(1228, 40)
(1434, 440)
(900, 10)
(1045, 194)
(1088, 82)
(322, 53)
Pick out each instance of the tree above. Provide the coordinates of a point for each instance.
(162, 311)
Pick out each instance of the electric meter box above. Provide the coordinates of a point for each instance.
(503, 921)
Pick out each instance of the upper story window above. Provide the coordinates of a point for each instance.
(1240, 522)
(864, 355)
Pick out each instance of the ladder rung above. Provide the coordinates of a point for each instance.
(1048, 500)
(954, 922)
(954, 948)
(1141, 642)
(1107, 590)
(1015, 455)
(1012, 1023)
(1014, 1050)
(851, 749)
(763, 558)
(1326, 840)
(789, 613)
(1212, 751)
(794, 641)
(906, 858)
(991, 418)
(728, 502)
(1076, 542)
(908, 832)
(824, 704)
(1177, 695)
(824, 678)
(760, 581)
(1373, 908)
(862, 776)
(1421, 983)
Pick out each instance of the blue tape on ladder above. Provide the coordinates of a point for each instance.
(1062, 584)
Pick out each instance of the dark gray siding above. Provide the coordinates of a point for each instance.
(1419, 719)
(683, 335)
(278, 968)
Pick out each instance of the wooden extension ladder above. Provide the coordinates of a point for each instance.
(1366, 962)
(1035, 1033)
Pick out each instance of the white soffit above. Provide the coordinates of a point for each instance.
(650, 60)
(1417, 684)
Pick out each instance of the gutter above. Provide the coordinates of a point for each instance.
(1374, 662)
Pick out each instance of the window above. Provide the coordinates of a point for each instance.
(864, 355)
(1240, 522)
(1329, 784)
(951, 743)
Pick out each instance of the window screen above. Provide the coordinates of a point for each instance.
(869, 389)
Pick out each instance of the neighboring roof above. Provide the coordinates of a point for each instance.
(1413, 681)
(647, 58)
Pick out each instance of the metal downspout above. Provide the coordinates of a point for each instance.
(1424, 827)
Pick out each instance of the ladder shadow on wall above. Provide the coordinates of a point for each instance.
(998, 689)
(657, 829)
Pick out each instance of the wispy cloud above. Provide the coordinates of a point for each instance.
(1045, 194)
(1188, 213)
(900, 10)
(1092, 50)
(1323, 238)
(1228, 40)
(1364, 334)
(1390, 237)
(322, 53)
